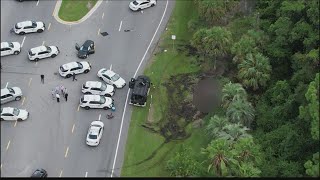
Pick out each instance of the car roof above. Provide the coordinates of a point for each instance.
(4, 44)
(70, 65)
(109, 73)
(91, 97)
(24, 23)
(7, 110)
(94, 84)
(38, 49)
(94, 130)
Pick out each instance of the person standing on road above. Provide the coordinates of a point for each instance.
(66, 96)
(74, 77)
(42, 78)
(58, 97)
(62, 90)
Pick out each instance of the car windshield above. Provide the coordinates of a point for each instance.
(16, 26)
(48, 49)
(84, 48)
(91, 136)
(80, 65)
(102, 100)
(34, 24)
(115, 77)
(62, 69)
(11, 45)
(103, 87)
(11, 90)
(16, 111)
(135, 3)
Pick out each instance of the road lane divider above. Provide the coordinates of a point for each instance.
(49, 26)
(43, 42)
(8, 145)
(60, 173)
(86, 174)
(24, 98)
(102, 16)
(67, 150)
(120, 26)
(99, 117)
(15, 124)
(99, 31)
(78, 107)
(111, 67)
(30, 81)
(24, 38)
(7, 84)
(72, 128)
(37, 3)
(36, 63)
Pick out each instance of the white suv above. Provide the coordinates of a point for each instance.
(42, 52)
(98, 88)
(141, 4)
(8, 48)
(66, 70)
(28, 27)
(96, 101)
(10, 94)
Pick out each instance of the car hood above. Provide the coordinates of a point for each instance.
(16, 45)
(109, 89)
(23, 114)
(85, 64)
(54, 48)
(120, 82)
(17, 91)
(40, 24)
(81, 53)
(108, 100)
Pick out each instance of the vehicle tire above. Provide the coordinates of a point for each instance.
(21, 33)
(101, 78)
(53, 55)
(16, 52)
(87, 108)
(138, 9)
(17, 98)
(152, 5)
(86, 71)
(107, 95)
(68, 75)
(19, 119)
(106, 108)
(87, 93)
(36, 59)
(39, 30)
(93, 52)
(114, 86)
(2, 119)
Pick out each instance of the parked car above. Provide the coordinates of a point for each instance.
(66, 70)
(39, 173)
(96, 101)
(111, 78)
(141, 4)
(95, 133)
(42, 52)
(10, 94)
(28, 27)
(13, 114)
(8, 48)
(98, 88)
(140, 90)
(86, 49)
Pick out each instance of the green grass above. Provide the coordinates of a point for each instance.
(72, 10)
(141, 143)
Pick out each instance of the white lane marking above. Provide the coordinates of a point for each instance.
(99, 117)
(36, 62)
(8, 145)
(99, 31)
(125, 105)
(7, 84)
(66, 154)
(30, 81)
(23, 41)
(15, 124)
(107, 1)
(61, 173)
(24, 98)
(111, 67)
(43, 42)
(1, 165)
(78, 107)
(102, 15)
(120, 26)
(86, 174)
(72, 128)
(37, 3)
(49, 26)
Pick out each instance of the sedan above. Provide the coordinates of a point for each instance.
(10, 94)
(141, 4)
(95, 133)
(13, 114)
(98, 88)
(111, 78)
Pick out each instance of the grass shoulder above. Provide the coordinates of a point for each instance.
(71, 10)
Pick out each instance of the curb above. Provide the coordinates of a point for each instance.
(57, 8)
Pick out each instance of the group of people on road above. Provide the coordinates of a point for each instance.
(59, 90)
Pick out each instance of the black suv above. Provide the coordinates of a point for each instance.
(140, 90)
(86, 49)
(39, 173)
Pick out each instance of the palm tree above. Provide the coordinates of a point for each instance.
(234, 132)
(254, 71)
(232, 92)
(241, 48)
(248, 170)
(215, 125)
(240, 111)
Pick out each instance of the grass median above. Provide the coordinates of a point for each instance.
(146, 152)
(71, 10)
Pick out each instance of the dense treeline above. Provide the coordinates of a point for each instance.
(269, 125)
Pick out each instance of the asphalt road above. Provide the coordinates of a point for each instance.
(53, 137)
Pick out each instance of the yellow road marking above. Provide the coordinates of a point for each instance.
(15, 124)
(72, 128)
(78, 107)
(49, 26)
(8, 145)
(66, 154)
(102, 15)
(61, 173)
(99, 31)
(30, 81)
(24, 98)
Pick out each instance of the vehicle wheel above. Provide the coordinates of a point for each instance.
(152, 5)
(68, 75)
(87, 93)
(107, 95)
(2, 119)
(36, 59)
(93, 52)
(138, 9)
(114, 86)
(18, 98)
(16, 52)
(53, 55)
(101, 78)
(106, 108)
(39, 30)
(86, 71)
(21, 33)
(87, 108)
(19, 119)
